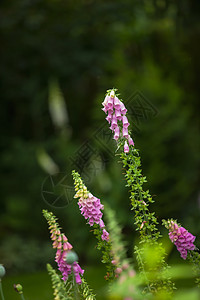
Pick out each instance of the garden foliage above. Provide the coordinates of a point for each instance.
(150, 278)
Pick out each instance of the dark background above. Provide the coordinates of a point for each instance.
(57, 60)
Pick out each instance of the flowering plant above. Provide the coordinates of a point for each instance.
(150, 279)
(119, 268)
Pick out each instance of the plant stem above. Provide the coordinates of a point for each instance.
(22, 296)
(76, 296)
(1, 291)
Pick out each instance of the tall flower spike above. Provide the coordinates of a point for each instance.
(90, 206)
(60, 242)
(180, 237)
(117, 118)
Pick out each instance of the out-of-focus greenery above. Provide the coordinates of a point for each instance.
(19, 254)
(85, 47)
(132, 286)
(35, 286)
(38, 285)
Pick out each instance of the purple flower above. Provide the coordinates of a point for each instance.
(123, 109)
(60, 242)
(91, 209)
(117, 103)
(105, 235)
(104, 109)
(101, 224)
(63, 267)
(110, 103)
(117, 133)
(109, 118)
(130, 141)
(117, 118)
(182, 239)
(125, 122)
(66, 269)
(113, 122)
(125, 132)
(77, 271)
(118, 115)
(89, 205)
(64, 247)
(126, 147)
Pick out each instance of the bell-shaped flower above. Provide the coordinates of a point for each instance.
(113, 123)
(117, 132)
(117, 103)
(118, 115)
(130, 141)
(125, 122)
(125, 132)
(123, 109)
(110, 103)
(126, 147)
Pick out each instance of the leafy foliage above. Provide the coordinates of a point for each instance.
(150, 46)
(61, 290)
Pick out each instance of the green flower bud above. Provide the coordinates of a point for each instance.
(18, 288)
(71, 257)
(2, 271)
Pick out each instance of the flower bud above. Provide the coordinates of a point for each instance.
(71, 257)
(118, 270)
(2, 271)
(18, 288)
(112, 94)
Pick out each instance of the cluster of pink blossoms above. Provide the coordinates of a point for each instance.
(60, 242)
(182, 239)
(90, 206)
(117, 118)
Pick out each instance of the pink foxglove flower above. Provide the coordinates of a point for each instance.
(123, 109)
(126, 147)
(182, 239)
(60, 242)
(117, 102)
(113, 123)
(118, 115)
(125, 132)
(125, 122)
(105, 235)
(91, 209)
(130, 141)
(90, 206)
(117, 118)
(109, 118)
(117, 133)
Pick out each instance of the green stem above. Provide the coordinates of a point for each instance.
(135, 181)
(76, 296)
(22, 296)
(141, 264)
(1, 291)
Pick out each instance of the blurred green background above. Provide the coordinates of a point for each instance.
(57, 60)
